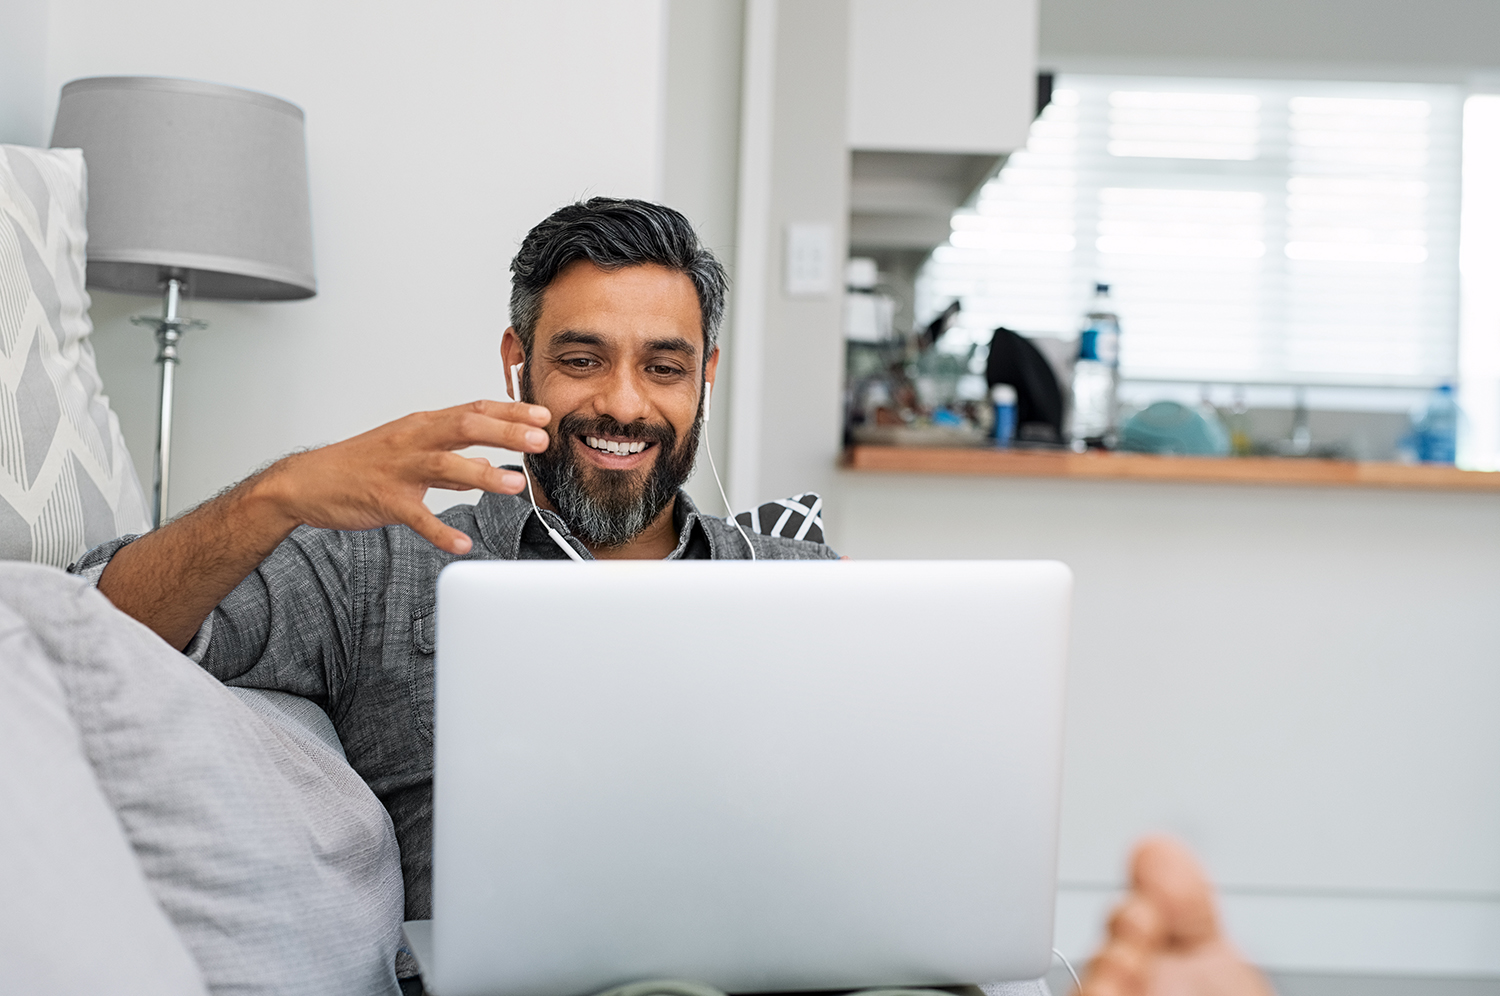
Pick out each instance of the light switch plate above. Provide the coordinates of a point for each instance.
(810, 261)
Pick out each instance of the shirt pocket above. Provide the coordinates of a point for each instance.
(423, 644)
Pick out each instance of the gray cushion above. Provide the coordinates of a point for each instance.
(274, 860)
(66, 480)
(76, 915)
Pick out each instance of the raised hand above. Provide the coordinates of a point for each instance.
(172, 578)
(379, 478)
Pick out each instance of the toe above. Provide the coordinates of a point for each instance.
(1138, 921)
(1166, 873)
(1119, 969)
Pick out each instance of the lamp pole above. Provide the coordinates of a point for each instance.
(169, 328)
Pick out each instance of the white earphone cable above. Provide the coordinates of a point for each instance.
(1077, 985)
(564, 545)
(708, 393)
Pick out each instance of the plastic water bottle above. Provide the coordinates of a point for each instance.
(1096, 374)
(1003, 397)
(1435, 429)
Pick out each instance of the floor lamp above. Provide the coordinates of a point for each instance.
(196, 190)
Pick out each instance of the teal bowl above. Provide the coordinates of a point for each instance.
(1169, 427)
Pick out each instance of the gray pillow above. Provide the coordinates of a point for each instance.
(76, 915)
(66, 480)
(276, 863)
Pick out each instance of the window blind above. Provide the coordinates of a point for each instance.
(1252, 231)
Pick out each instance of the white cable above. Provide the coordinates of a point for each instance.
(1077, 985)
(733, 521)
(515, 387)
(708, 393)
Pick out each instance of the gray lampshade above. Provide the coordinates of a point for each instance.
(198, 177)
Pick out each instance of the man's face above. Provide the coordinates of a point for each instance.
(618, 360)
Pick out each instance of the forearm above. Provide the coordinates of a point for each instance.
(172, 578)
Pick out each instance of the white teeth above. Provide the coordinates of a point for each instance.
(610, 446)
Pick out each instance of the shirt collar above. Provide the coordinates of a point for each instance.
(507, 526)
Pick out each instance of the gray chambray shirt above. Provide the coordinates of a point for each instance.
(346, 619)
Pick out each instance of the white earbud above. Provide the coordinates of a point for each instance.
(515, 390)
(515, 382)
(708, 397)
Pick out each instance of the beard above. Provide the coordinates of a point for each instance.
(609, 508)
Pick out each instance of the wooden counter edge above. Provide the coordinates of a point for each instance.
(1142, 467)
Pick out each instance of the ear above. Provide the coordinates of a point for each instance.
(711, 368)
(511, 351)
(512, 355)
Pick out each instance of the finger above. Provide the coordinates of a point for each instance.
(459, 427)
(509, 411)
(435, 531)
(457, 473)
(1166, 871)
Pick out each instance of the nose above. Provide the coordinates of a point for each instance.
(623, 396)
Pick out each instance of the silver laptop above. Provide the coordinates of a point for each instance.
(763, 776)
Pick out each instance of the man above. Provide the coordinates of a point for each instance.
(317, 575)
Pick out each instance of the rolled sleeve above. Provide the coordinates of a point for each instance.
(91, 567)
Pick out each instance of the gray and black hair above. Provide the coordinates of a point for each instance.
(613, 233)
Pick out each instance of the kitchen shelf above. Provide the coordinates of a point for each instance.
(1141, 467)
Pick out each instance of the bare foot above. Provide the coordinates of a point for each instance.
(1164, 937)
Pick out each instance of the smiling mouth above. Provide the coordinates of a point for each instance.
(624, 447)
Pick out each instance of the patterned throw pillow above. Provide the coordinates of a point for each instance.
(798, 517)
(66, 480)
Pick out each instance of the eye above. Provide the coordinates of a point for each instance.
(664, 370)
(577, 362)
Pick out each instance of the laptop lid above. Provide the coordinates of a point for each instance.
(764, 776)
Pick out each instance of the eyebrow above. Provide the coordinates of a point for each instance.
(664, 344)
(670, 344)
(572, 337)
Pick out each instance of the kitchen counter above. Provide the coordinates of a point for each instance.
(1142, 467)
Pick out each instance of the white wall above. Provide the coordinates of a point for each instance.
(701, 164)
(787, 364)
(438, 133)
(23, 55)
